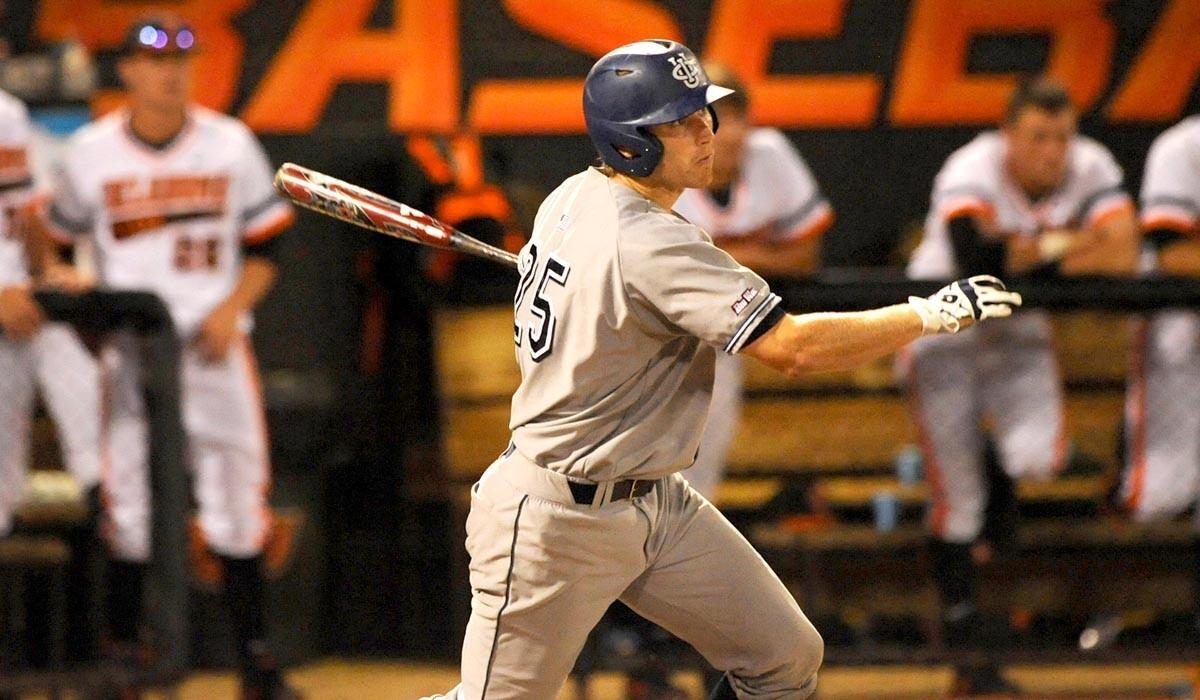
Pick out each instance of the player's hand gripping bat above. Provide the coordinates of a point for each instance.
(361, 207)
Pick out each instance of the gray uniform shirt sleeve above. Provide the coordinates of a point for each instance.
(674, 271)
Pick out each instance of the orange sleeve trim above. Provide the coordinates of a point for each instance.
(814, 229)
(1108, 213)
(976, 208)
(273, 227)
(1179, 224)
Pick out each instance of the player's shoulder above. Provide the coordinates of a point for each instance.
(1090, 157)
(1184, 136)
(218, 123)
(985, 149)
(642, 223)
(767, 139)
(12, 108)
(976, 163)
(98, 133)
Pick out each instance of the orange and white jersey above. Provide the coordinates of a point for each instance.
(16, 187)
(169, 220)
(1171, 184)
(774, 195)
(975, 180)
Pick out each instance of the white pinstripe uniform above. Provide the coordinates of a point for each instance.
(777, 199)
(1002, 372)
(54, 358)
(1162, 476)
(172, 221)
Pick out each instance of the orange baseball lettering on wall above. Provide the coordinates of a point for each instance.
(418, 59)
(1162, 77)
(101, 24)
(932, 87)
(553, 106)
(742, 34)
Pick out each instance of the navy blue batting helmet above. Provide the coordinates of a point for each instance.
(649, 82)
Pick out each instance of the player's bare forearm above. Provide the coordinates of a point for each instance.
(1110, 249)
(776, 259)
(1021, 254)
(823, 342)
(257, 278)
(41, 253)
(1181, 258)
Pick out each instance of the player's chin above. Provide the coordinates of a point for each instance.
(701, 174)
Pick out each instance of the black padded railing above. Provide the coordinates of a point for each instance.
(95, 315)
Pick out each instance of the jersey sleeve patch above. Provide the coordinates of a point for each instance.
(743, 332)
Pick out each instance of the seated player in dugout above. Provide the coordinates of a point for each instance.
(1162, 439)
(178, 200)
(1033, 198)
(620, 310)
(764, 208)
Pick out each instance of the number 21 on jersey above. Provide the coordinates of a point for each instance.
(539, 331)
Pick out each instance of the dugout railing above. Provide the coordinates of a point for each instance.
(97, 315)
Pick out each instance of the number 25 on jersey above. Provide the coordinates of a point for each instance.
(539, 331)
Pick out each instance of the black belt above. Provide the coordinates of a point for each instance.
(585, 494)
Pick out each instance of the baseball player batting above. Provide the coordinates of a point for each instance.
(178, 200)
(620, 310)
(1032, 198)
(32, 352)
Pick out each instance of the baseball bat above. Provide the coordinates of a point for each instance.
(374, 212)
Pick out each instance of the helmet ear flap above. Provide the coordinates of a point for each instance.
(654, 152)
(645, 148)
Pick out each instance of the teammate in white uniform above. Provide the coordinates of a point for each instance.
(1162, 476)
(621, 308)
(764, 208)
(49, 353)
(1032, 198)
(178, 201)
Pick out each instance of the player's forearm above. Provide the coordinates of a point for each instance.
(832, 341)
(776, 260)
(1181, 258)
(41, 253)
(1111, 249)
(257, 278)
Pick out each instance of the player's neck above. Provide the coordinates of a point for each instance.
(157, 127)
(1032, 189)
(663, 195)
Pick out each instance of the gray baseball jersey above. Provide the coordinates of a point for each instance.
(619, 312)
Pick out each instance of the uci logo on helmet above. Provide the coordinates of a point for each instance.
(686, 70)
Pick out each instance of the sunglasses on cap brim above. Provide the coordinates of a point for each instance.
(156, 39)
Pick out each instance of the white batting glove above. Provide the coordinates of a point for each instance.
(959, 304)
